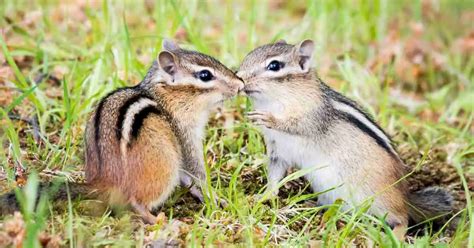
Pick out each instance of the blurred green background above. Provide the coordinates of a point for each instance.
(410, 63)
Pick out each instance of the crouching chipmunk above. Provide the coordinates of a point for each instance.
(307, 124)
(142, 141)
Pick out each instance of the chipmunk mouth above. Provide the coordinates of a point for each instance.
(250, 92)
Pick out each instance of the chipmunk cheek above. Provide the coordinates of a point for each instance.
(225, 89)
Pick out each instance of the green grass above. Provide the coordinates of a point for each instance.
(416, 80)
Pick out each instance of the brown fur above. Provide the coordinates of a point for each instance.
(142, 141)
(104, 165)
(168, 146)
(151, 161)
(293, 103)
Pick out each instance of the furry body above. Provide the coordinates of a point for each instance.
(306, 124)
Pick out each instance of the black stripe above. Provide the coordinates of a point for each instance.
(140, 117)
(123, 111)
(98, 114)
(342, 99)
(357, 123)
(334, 95)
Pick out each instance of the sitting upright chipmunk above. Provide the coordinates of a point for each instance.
(142, 141)
(307, 124)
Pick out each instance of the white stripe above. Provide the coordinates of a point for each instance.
(129, 118)
(359, 116)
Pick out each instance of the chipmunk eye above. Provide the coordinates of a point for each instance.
(274, 65)
(205, 75)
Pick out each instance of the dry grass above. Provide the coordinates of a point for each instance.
(410, 63)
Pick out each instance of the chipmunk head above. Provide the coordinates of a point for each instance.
(272, 71)
(194, 74)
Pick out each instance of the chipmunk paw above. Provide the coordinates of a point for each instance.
(261, 118)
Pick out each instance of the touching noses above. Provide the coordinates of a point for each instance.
(239, 75)
(240, 85)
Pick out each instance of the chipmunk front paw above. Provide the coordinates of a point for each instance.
(262, 118)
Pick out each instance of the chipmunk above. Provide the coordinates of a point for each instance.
(307, 124)
(142, 141)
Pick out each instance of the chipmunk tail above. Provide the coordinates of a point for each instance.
(430, 203)
(9, 203)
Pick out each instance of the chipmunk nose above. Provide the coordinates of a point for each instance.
(240, 84)
(240, 75)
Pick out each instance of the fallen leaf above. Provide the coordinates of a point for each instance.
(465, 44)
(161, 218)
(15, 228)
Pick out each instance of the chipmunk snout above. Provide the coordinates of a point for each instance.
(239, 74)
(233, 86)
(240, 84)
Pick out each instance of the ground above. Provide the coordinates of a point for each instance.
(409, 63)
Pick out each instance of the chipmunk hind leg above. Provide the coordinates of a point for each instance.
(399, 229)
(393, 205)
(153, 165)
(143, 211)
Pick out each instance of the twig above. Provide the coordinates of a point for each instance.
(33, 122)
(42, 76)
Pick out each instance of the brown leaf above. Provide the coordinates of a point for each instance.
(161, 218)
(49, 241)
(15, 228)
(20, 176)
(465, 44)
(5, 239)
(6, 74)
(181, 34)
(259, 233)
(316, 243)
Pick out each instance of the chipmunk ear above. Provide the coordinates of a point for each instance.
(305, 50)
(281, 41)
(167, 62)
(169, 45)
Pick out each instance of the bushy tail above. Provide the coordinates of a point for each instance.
(429, 203)
(9, 203)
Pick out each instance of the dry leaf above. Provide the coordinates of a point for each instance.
(181, 34)
(15, 228)
(161, 218)
(49, 241)
(465, 44)
(5, 239)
